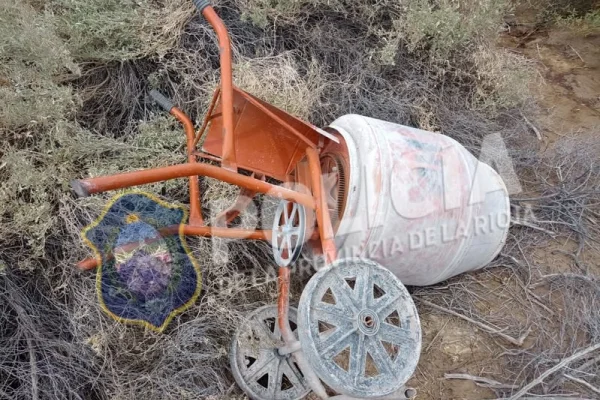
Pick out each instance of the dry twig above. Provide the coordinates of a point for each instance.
(565, 362)
(582, 382)
(517, 342)
(480, 381)
(533, 226)
(533, 127)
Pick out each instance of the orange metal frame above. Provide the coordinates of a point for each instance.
(239, 131)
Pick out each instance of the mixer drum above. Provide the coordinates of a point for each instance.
(417, 202)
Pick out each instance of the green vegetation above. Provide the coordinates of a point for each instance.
(450, 36)
(585, 25)
(44, 147)
(117, 29)
(448, 26)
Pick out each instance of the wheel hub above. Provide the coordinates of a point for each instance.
(368, 322)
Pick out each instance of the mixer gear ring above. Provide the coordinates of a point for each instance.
(359, 328)
(335, 185)
(257, 367)
(289, 227)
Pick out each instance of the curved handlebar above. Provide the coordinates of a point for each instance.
(228, 156)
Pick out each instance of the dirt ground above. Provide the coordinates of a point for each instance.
(569, 104)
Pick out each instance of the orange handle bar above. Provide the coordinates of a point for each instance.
(228, 159)
(85, 187)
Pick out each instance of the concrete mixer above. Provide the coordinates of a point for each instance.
(384, 205)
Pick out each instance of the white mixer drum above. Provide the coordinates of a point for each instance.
(417, 202)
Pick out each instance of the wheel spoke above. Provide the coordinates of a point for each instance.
(279, 251)
(386, 305)
(395, 335)
(359, 360)
(336, 342)
(275, 378)
(280, 243)
(293, 213)
(259, 368)
(286, 217)
(364, 287)
(380, 356)
(251, 351)
(331, 314)
(262, 331)
(292, 374)
(343, 293)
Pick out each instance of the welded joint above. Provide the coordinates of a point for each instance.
(289, 348)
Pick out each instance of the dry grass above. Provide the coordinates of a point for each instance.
(278, 80)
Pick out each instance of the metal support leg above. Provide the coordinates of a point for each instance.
(288, 337)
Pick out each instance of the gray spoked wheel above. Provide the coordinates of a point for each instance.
(256, 364)
(289, 228)
(359, 328)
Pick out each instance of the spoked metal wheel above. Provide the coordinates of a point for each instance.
(359, 328)
(256, 364)
(289, 228)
